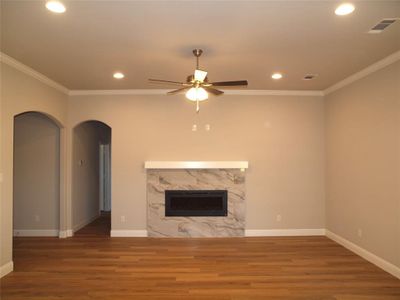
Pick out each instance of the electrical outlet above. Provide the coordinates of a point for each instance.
(359, 232)
(123, 219)
(37, 218)
(278, 218)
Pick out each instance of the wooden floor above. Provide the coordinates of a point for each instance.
(95, 266)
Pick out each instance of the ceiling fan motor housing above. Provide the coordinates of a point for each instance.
(197, 52)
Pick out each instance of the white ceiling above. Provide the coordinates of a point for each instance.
(81, 48)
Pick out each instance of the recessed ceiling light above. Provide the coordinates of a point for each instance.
(118, 75)
(55, 6)
(276, 76)
(344, 9)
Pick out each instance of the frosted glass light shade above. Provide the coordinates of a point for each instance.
(197, 94)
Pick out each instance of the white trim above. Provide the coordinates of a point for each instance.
(36, 232)
(128, 233)
(243, 92)
(273, 93)
(118, 92)
(6, 268)
(284, 232)
(196, 164)
(368, 70)
(84, 223)
(31, 72)
(376, 260)
(65, 233)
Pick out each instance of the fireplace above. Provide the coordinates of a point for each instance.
(168, 215)
(196, 203)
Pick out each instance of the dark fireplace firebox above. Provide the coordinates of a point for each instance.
(196, 203)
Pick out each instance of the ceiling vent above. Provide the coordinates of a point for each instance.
(382, 25)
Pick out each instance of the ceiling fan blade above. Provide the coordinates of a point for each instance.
(213, 91)
(200, 75)
(165, 81)
(230, 83)
(178, 91)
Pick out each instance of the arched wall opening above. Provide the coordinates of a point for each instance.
(91, 178)
(36, 175)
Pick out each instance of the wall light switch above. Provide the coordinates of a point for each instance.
(123, 219)
(359, 232)
(37, 218)
(278, 218)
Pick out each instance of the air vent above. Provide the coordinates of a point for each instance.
(382, 25)
(309, 76)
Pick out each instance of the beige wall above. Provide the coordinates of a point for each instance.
(363, 162)
(85, 169)
(21, 93)
(281, 136)
(36, 173)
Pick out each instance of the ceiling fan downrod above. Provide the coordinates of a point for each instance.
(197, 53)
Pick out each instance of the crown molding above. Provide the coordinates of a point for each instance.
(364, 72)
(31, 72)
(118, 92)
(243, 92)
(227, 92)
(273, 92)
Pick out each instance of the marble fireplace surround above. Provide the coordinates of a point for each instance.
(196, 175)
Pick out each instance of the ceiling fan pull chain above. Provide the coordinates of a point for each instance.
(197, 106)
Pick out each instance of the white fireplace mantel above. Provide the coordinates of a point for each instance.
(196, 164)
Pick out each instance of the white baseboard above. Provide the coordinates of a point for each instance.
(84, 223)
(376, 260)
(36, 232)
(65, 233)
(6, 268)
(284, 232)
(128, 233)
(268, 232)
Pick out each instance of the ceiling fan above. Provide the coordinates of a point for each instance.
(197, 85)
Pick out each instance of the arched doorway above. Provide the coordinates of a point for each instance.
(91, 179)
(36, 175)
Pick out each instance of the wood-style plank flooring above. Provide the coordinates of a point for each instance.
(92, 265)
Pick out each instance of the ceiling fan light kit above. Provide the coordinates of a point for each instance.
(197, 94)
(197, 86)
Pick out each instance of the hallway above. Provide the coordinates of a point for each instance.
(99, 227)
